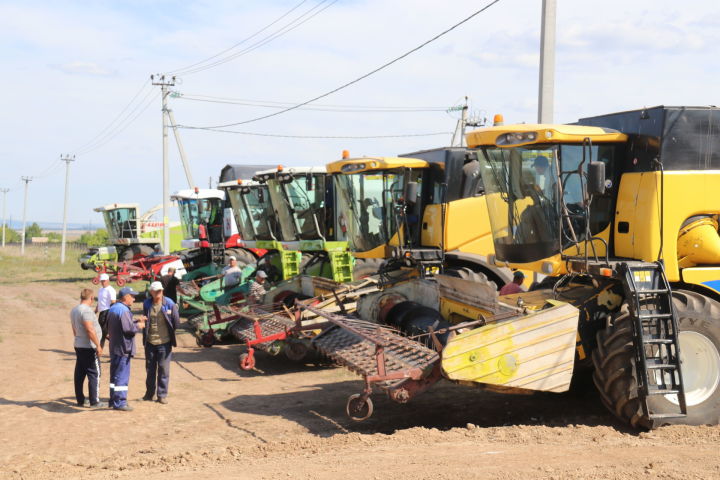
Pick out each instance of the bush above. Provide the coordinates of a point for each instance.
(11, 236)
(98, 238)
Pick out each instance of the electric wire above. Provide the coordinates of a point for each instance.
(343, 137)
(144, 85)
(292, 25)
(139, 109)
(196, 64)
(352, 82)
(316, 107)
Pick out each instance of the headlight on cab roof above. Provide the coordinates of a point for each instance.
(514, 138)
(352, 167)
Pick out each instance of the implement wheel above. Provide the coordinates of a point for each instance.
(359, 408)
(699, 338)
(95, 280)
(207, 339)
(246, 362)
(120, 281)
(296, 351)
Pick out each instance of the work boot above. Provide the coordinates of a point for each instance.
(148, 397)
(162, 400)
(99, 405)
(85, 404)
(124, 408)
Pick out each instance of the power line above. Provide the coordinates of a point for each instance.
(292, 25)
(319, 108)
(103, 132)
(352, 137)
(352, 82)
(150, 97)
(179, 70)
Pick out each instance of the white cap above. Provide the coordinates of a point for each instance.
(231, 257)
(155, 286)
(261, 274)
(104, 276)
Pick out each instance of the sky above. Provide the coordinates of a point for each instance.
(71, 68)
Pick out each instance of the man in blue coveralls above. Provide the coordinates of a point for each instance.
(121, 330)
(159, 339)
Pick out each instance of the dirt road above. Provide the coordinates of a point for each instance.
(288, 421)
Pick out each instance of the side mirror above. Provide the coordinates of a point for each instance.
(411, 192)
(596, 178)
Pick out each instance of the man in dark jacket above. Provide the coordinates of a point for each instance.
(170, 282)
(122, 329)
(159, 338)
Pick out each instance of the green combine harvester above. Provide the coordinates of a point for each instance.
(131, 236)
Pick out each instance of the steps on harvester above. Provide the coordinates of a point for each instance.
(655, 336)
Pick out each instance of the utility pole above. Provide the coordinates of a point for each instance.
(546, 94)
(27, 180)
(67, 159)
(181, 150)
(164, 83)
(4, 191)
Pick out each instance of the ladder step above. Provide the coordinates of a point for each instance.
(655, 292)
(657, 341)
(662, 391)
(650, 316)
(661, 416)
(661, 366)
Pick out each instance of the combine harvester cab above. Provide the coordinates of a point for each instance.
(603, 209)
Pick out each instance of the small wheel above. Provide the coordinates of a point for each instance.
(207, 339)
(95, 281)
(296, 351)
(246, 362)
(359, 408)
(120, 281)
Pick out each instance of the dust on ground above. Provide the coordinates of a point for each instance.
(288, 421)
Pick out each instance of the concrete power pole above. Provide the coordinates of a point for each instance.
(164, 83)
(27, 180)
(4, 191)
(67, 159)
(546, 94)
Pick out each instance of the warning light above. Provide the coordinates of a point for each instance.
(197, 190)
(498, 120)
(346, 154)
(239, 181)
(280, 168)
(606, 272)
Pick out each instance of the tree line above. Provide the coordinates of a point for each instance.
(92, 239)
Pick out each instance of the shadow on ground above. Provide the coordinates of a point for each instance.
(321, 409)
(59, 405)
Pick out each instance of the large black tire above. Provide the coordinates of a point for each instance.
(614, 361)
(469, 274)
(243, 256)
(366, 267)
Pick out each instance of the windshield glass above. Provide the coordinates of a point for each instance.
(303, 198)
(523, 185)
(254, 213)
(121, 222)
(195, 212)
(366, 203)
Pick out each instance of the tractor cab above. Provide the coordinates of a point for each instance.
(537, 181)
(201, 216)
(254, 215)
(121, 221)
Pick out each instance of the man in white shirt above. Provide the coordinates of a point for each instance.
(86, 330)
(232, 273)
(106, 297)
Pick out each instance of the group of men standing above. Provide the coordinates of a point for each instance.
(115, 322)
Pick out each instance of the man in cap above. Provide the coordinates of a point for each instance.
(232, 273)
(515, 285)
(257, 288)
(86, 330)
(159, 339)
(106, 297)
(122, 329)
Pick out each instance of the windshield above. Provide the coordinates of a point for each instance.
(366, 201)
(523, 196)
(254, 213)
(121, 222)
(300, 203)
(195, 212)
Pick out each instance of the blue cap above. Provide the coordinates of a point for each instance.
(127, 291)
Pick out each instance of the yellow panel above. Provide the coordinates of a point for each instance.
(376, 163)
(708, 277)
(546, 133)
(535, 351)
(467, 226)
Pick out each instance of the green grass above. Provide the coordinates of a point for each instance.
(40, 263)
